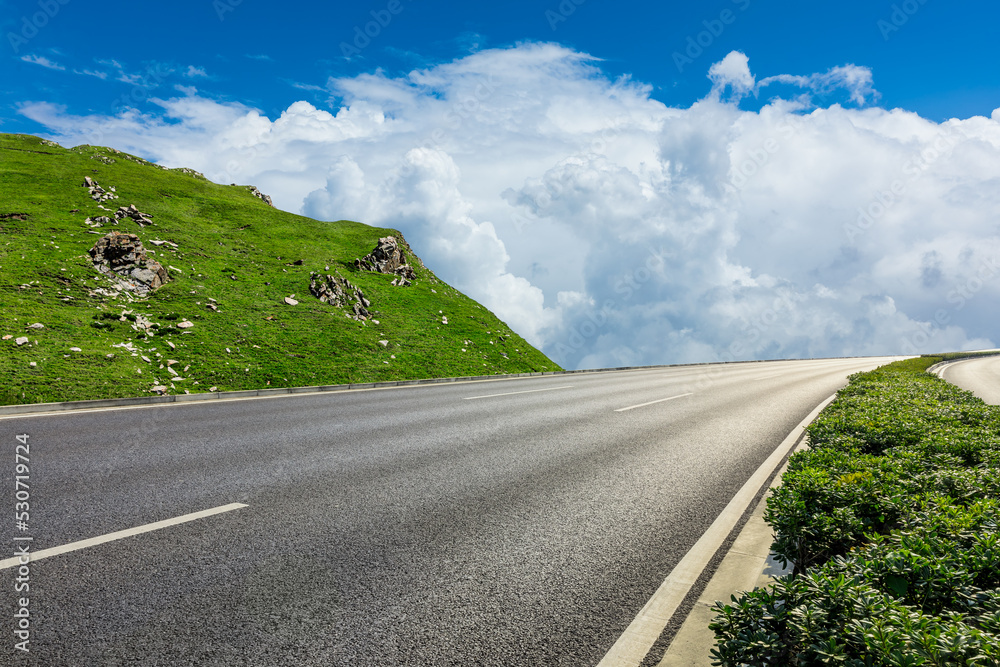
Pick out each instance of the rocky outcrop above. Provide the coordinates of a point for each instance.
(97, 193)
(388, 257)
(131, 211)
(122, 258)
(260, 195)
(339, 292)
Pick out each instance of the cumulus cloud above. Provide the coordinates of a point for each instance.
(610, 229)
(732, 72)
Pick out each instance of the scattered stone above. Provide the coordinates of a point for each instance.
(23, 340)
(122, 258)
(131, 211)
(388, 257)
(384, 343)
(99, 221)
(36, 325)
(172, 346)
(110, 356)
(212, 307)
(290, 301)
(213, 389)
(145, 358)
(444, 320)
(8, 337)
(159, 389)
(75, 349)
(32, 364)
(185, 325)
(97, 193)
(260, 195)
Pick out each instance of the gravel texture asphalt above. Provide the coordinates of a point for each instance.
(411, 526)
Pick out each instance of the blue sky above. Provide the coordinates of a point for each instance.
(938, 62)
(623, 183)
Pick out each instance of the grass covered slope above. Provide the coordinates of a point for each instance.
(892, 520)
(230, 247)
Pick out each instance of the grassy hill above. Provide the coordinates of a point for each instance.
(233, 253)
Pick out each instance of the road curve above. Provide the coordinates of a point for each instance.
(513, 522)
(980, 376)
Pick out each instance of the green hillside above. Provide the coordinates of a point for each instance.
(232, 260)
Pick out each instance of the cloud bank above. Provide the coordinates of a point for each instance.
(610, 229)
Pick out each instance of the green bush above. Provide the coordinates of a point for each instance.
(890, 521)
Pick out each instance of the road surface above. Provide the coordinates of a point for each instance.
(980, 376)
(514, 522)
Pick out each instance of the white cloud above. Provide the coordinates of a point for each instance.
(94, 73)
(733, 72)
(857, 81)
(195, 72)
(43, 61)
(613, 230)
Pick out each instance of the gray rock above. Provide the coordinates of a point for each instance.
(388, 257)
(338, 291)
(23, 340)
(122, 258)
(260, 195)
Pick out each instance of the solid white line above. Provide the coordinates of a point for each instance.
(110, 537)
(642, 405)
(631, 648)
(511, 393)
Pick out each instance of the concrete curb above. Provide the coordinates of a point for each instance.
(12, 410)
(749, 564)
(639, 640)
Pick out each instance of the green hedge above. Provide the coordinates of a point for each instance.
(890, 521)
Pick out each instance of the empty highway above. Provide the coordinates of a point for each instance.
(509, 522)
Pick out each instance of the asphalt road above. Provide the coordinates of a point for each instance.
(980, 376)
(454, 524)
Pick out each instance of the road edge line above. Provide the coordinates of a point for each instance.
(642, 633)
